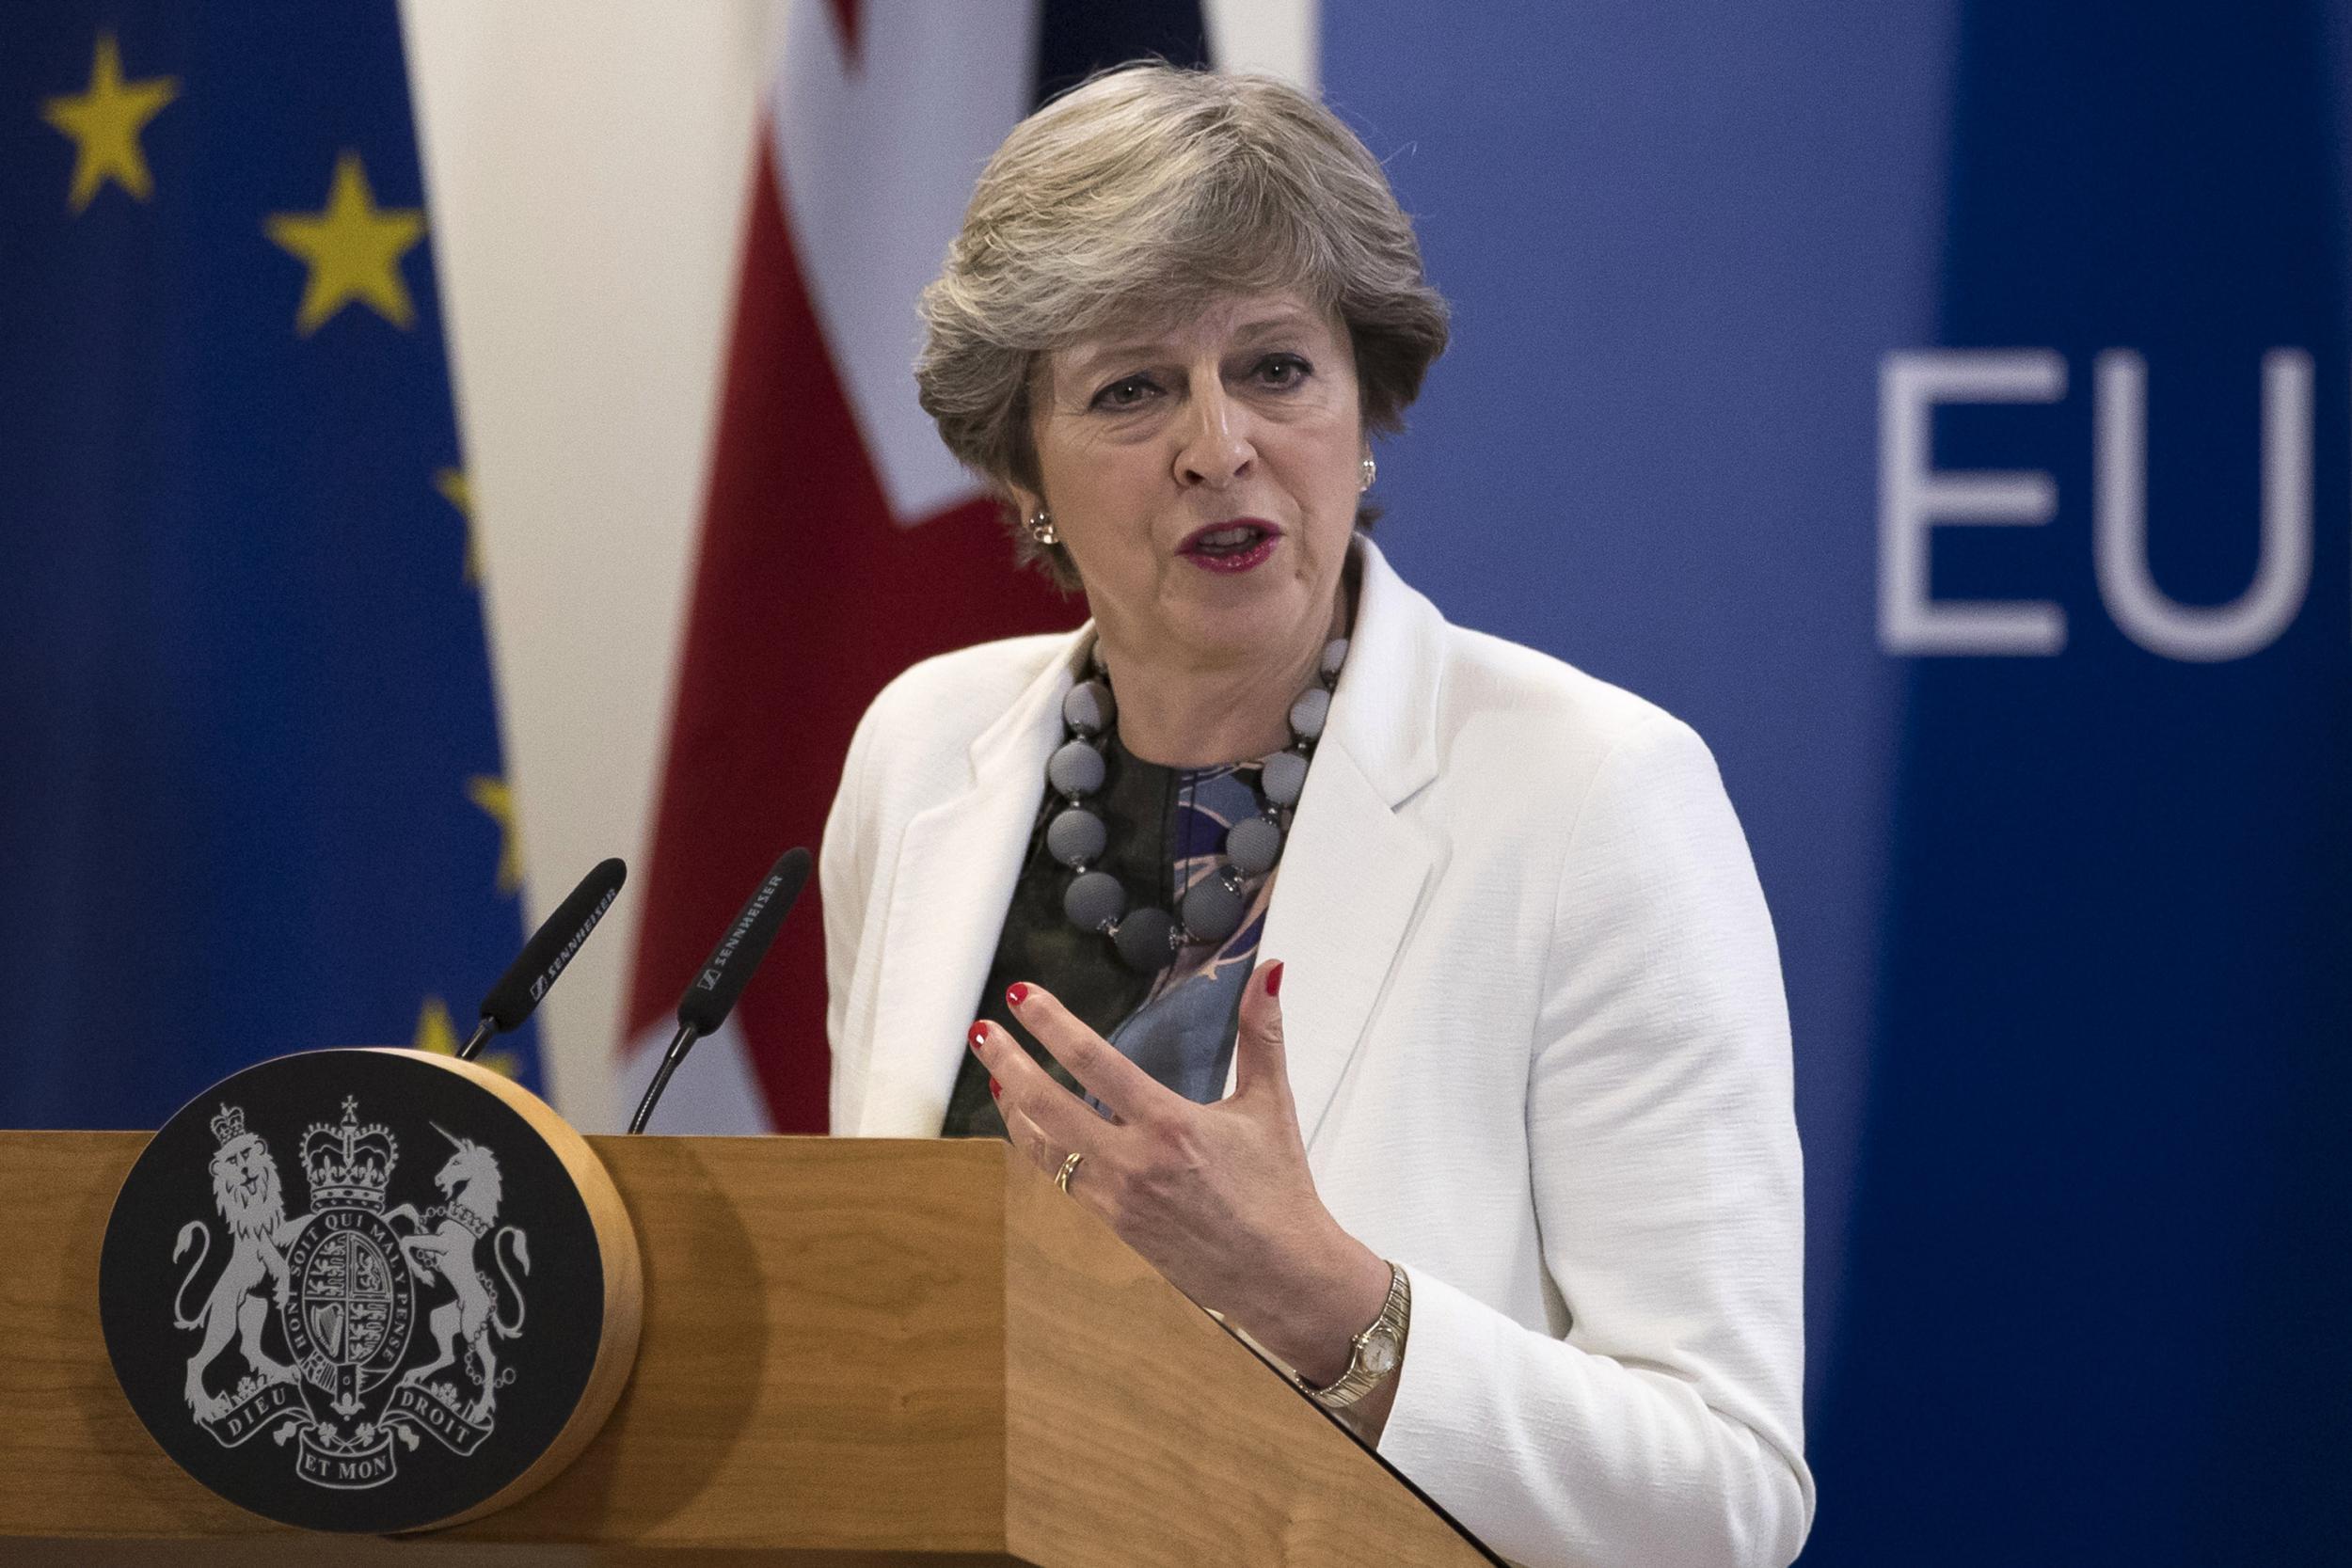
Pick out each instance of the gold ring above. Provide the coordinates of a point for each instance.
(1069, 1167)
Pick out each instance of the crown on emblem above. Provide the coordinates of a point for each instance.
(229, 1126)
(349, 1164)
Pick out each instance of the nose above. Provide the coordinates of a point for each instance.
(1214, 448)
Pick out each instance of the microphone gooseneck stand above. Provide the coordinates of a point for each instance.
(720, 981)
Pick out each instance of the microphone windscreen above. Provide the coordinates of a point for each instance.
(712, 995)
(551, 946)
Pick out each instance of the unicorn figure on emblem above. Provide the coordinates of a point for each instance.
(470, 1179)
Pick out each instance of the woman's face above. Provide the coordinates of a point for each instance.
(1204, 479)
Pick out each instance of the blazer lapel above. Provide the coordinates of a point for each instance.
(1351, 877)
(955, 872)
(1352, 870)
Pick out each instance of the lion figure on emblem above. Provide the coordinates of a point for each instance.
(252, 1207)
(470, 1179)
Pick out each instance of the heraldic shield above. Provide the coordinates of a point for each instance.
(439, 1292)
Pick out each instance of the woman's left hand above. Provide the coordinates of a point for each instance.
(1218, 1197)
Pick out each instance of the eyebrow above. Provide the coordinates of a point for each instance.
(1095, 361)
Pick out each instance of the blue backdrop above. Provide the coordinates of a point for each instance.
(2064, 887)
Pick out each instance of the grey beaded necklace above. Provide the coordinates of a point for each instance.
(1147, 937)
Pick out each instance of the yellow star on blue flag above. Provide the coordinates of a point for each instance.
(458, 491)
(496, 800)
(104, 123)
(353, 248)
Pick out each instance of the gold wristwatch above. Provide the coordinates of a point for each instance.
(1375, 1352)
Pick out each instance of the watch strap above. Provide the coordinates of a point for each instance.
(1367, 1366)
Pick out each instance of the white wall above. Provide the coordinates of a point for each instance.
(586, 163)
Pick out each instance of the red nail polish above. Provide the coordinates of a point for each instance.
(977, 1036)
(1016, 993)
(994, 1090)
(1274, 980)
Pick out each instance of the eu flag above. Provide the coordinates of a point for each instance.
(251, 798)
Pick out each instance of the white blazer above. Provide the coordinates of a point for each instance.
(1537, 1035)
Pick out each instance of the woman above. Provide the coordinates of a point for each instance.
(1495, 1148)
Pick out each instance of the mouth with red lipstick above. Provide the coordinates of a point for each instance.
(1234, 545)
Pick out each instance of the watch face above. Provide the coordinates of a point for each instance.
(1380, 1354)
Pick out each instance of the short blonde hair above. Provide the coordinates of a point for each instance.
(1143, 193)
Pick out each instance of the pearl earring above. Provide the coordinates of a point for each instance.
(1370, 470)
(1040, 529)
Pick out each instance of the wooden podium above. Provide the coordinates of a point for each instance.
(855, 1352)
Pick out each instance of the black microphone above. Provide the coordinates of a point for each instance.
(544, 955)
(712, 995)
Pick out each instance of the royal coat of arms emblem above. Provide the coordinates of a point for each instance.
(342, 1283)
(339, 1340)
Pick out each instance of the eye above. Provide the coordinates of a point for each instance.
(1130, 392)
(1283, 370)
